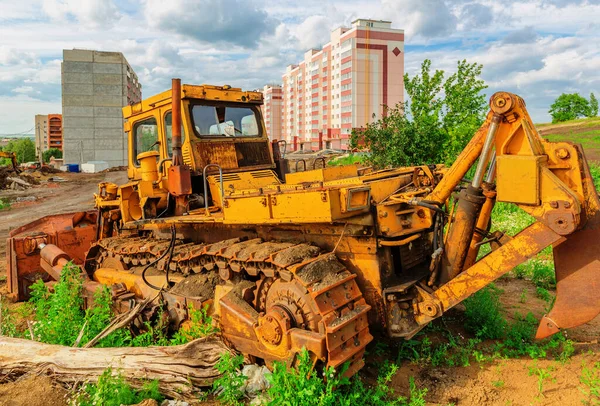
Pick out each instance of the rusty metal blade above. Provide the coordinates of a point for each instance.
(577, 262)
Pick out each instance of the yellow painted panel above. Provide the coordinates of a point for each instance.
(322, 175)
(309, 207)
(518, 179)
(247, 210)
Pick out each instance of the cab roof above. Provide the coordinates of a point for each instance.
(203, 92)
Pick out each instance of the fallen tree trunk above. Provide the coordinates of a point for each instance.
(179, 369)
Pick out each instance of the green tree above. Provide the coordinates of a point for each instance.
(52, 152)
(465, 107)
(24, 148)
(437, 123)
(569, 106)
(593, 106)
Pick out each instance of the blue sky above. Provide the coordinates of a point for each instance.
(537, 49)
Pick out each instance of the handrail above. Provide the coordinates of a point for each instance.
(304, 162)
(205, 183)
(322, 158)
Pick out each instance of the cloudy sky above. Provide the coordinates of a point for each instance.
(537, 48)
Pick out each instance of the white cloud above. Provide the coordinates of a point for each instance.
(537, 48)
(424, 18)
(239, 22)
(95, 13)
(313, 32)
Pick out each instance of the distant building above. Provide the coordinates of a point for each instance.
(48, 133)
(272, 95)
(95, 87)
(342, 85)
(41, 134)
(55, 131)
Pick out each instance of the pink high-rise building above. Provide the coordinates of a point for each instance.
(271, 109)
(341, 86)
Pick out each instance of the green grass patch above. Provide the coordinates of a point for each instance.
(587, 121)
(590, 384)
(112, 390)
(348, 160)
(307, 385)
(4, 205)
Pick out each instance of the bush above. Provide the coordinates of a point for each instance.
(229, 386)
(52, 152)
(59, 315)
(112, 390)
(482, 314)
(303, 386)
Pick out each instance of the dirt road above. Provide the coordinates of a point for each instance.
(75, 193)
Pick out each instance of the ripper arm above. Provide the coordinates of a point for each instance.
(551, 182)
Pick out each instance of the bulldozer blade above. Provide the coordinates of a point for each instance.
(577, 263)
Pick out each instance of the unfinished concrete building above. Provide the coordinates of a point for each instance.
(95, 87)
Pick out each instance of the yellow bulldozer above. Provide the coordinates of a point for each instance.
(322, 259)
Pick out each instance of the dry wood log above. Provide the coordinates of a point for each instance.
(180, 370)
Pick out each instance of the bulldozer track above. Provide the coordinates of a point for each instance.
(341, 310)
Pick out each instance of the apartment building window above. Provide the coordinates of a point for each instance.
(346, 65)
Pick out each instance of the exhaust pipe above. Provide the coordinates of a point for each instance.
(176, 121)
(180, 177)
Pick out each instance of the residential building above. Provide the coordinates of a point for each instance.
(344, 85)
(271, 109)
(48, 133)
(55, 131)
(95, 87)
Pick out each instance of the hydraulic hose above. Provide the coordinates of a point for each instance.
(164, 254)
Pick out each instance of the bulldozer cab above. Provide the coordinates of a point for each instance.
(221, 126)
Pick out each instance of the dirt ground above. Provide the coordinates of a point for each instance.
(508, 381)
(75, 193)
(501, 382)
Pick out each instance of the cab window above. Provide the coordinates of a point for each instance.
(226, 121)
(146, 137)
(169, 133)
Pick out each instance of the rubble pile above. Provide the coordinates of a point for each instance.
(9, 179)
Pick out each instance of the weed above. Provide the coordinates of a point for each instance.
(543, 274)
(590, 379)
(498, 384)
(304, 386)
(523, 297)
(8, 327)
(543, 294)
(112, 390)
(4, 205)
(229, 386)
(542, 374)
(417, 396)
(381, 348)
(568, 349)
(201, 325)
(483, 317)
(59, 315)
